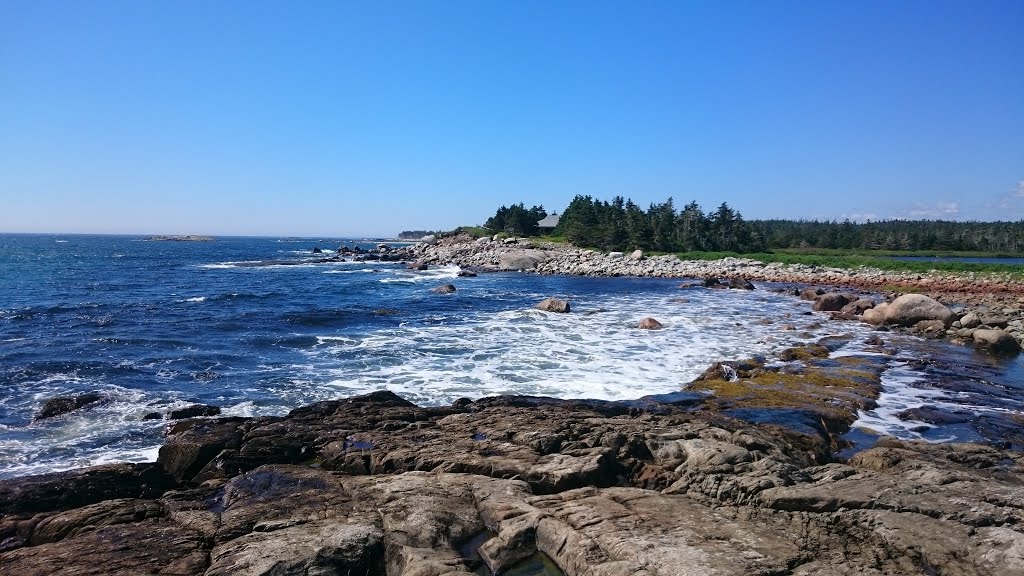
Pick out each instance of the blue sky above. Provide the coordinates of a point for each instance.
(366, 118)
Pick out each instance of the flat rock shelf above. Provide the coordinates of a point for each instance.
(522, 485)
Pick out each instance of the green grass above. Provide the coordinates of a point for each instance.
(833, 259)
(553, 239)
(474, 231)
(883, 253)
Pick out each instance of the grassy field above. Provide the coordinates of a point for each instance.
(880, 260)
(889, 253)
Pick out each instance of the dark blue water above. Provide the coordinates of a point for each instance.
(257, 326)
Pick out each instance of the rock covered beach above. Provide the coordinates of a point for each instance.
(988, 301)
(736, 474)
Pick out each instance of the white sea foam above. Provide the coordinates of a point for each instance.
(430, 275)
(110, 431)
(579, 355)
(220, 265)
(359, 271)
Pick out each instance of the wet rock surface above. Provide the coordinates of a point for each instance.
(734, 476)
(61, 405)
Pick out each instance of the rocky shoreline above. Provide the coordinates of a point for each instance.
(736, 474)
(746, 470)
(376, 485)
(993, 297)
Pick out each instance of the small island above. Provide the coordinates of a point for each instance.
(184, 238)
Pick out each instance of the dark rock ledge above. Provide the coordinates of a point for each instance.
(738, 482)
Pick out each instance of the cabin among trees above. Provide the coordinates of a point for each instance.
(517, 220)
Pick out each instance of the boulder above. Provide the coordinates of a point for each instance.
(857, 307)
(521, 260)
(930, 328)
(995, 341)
(739, 283)
(810, 293)
(191, 444)
(994, 320)
(910, 309)
(553, 305)
(466, 274)
(63, 404)
(649, 324)
(615, 255)
(831, 302)
(429, 240)
(637, 255)
(970, 320)
(420, 266)
(317, 250)
(712, 282)
(444, 289)
(876, 315)
(194, 411)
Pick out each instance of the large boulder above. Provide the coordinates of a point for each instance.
(637, 255)
(444, 289)
(995, 341)
(910, 309)
(429, 239)
(64, 404)
(521, 260)
(553, 305)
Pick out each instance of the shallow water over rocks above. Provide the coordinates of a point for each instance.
(155, 327)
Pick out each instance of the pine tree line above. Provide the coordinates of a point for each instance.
(937, 235)
(621, 225)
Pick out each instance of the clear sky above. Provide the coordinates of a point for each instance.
(370, 117)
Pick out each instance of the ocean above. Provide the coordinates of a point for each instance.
(257, 327)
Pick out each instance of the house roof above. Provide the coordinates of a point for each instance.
(549, 221)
